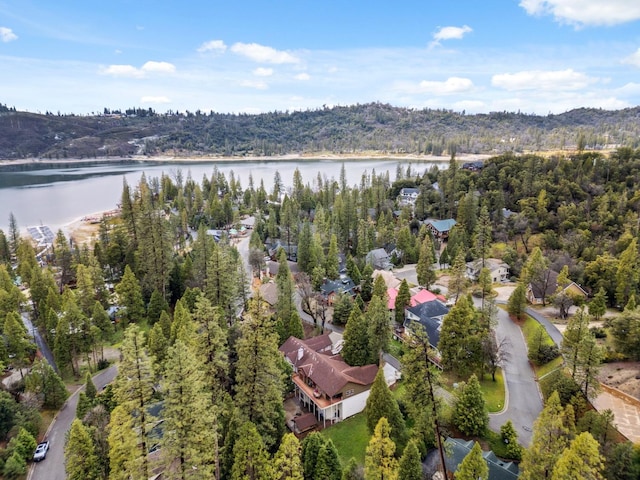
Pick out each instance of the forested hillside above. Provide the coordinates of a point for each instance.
(352, 129)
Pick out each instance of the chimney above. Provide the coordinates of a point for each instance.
(300, 353)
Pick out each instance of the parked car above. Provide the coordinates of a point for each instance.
(41, 451)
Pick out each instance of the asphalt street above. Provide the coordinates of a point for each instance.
(52, 467)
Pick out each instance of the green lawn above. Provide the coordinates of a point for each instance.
(350, 438)
(547, 368)
(493, 392)
(530, 328)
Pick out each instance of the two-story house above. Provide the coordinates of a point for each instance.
(323, 383)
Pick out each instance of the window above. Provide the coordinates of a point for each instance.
(348, 393)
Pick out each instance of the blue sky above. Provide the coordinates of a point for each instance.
(535, 56)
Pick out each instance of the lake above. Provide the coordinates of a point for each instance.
(55, 194)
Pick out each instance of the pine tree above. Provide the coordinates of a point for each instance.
(286, 312)
(457, 279)
(510, 439)
(306, 262)
(356, 346)
(473, 466)
(251, 461)
(125, 461)
(133, 389)
(403, 300)
(598, 304)
(482, 234)
(379, 330)
(258, 364)
(287, 462)
(328, 464)
(410, 467)
(550, 437)
(44, 381)
(471, 416)
(580, 461)
(380, 462)
(311, 446)
(536, 272)
(460, 340)
(157, 305)
(381, 403)
(351, 471)
(190, 426)
(332, 263)
(627, 277)
(517, 302)
(80, 458)
(130, 297)
(424, 268)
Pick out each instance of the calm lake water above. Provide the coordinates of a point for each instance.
(54, 195)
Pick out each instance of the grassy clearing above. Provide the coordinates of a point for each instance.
(493, 392)
(350, 437)
(530, 328)
(547, 368)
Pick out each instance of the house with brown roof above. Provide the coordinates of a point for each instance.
(539, 292)
(323, 382)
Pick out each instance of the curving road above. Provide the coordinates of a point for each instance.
(523, 401)
(52, 467)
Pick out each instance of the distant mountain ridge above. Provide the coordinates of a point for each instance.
(372, 127)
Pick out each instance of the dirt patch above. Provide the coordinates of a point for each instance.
(624, 376)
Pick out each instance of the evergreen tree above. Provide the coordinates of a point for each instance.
(351, 471)
(510, 439)
(550, 438)
(80, 458)
(14, 466)
(424, 268)
(410, 467)
(379, 287)
(23, 444)
(381, 403)
(581, 353)
(157, 305)
(356, 346)
(403, 300)
(133, 389)
(311, 446)
(457, 276)
(598, 304)
(580, 461)
(125, 461)
(379, 331)
(627, 276)
(366, 287)
(536, 272)
(328, 464)
(332, 262)
(190, 426)
(380, 462)
(460, 339)
(130, 297)
(258, 364)
(471, 416)
(342, 308)
(482, 234)
(621, 463)
(287, 315)
(517, 302)
(305, 258)
(473, 466)
(251, 461)
(157, 345)
(46, 384)
(287, 462)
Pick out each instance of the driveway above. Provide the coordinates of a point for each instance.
(523, 401)
(52, 467)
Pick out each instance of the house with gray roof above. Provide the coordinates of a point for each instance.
(456, 449)
(379, 259)
(428, 314)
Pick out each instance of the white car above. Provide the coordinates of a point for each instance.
(41, 451)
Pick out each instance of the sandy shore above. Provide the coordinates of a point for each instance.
(85, 229)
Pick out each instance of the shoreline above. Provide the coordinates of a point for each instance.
(252, 158)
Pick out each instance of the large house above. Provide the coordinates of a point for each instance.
(440, 228)
(498, 269)
(408, 196)
(330, 289)
(430, 315)
(323, 383)
(456, 449)
(379, 259)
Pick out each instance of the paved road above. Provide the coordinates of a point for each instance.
(52, 467)
(551, 329)
(523, 399)
(40, 343)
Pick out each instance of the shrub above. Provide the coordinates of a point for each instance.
(560, 382)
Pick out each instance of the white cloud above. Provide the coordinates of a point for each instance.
(7, 35)
(155, 100)
(263, 72)
(159, 67)
(633, 59)
(451, 33)
(450, 86)
(257, 84)
(585, 12)
(303, 76)
(470, 106)
(543, 80)
(129, 71)
(213, 46)
(263, 54)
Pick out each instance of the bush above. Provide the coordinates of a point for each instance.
(598, 332)
(544, 354)
(103, 363)
(559, 382)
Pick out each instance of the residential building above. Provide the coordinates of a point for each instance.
(430, 315)
(440, 228)
(498, 269)
(538, 293)
(456, 449)
(330, 289)
(408, 196)
(323, 382)
(379, 259)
